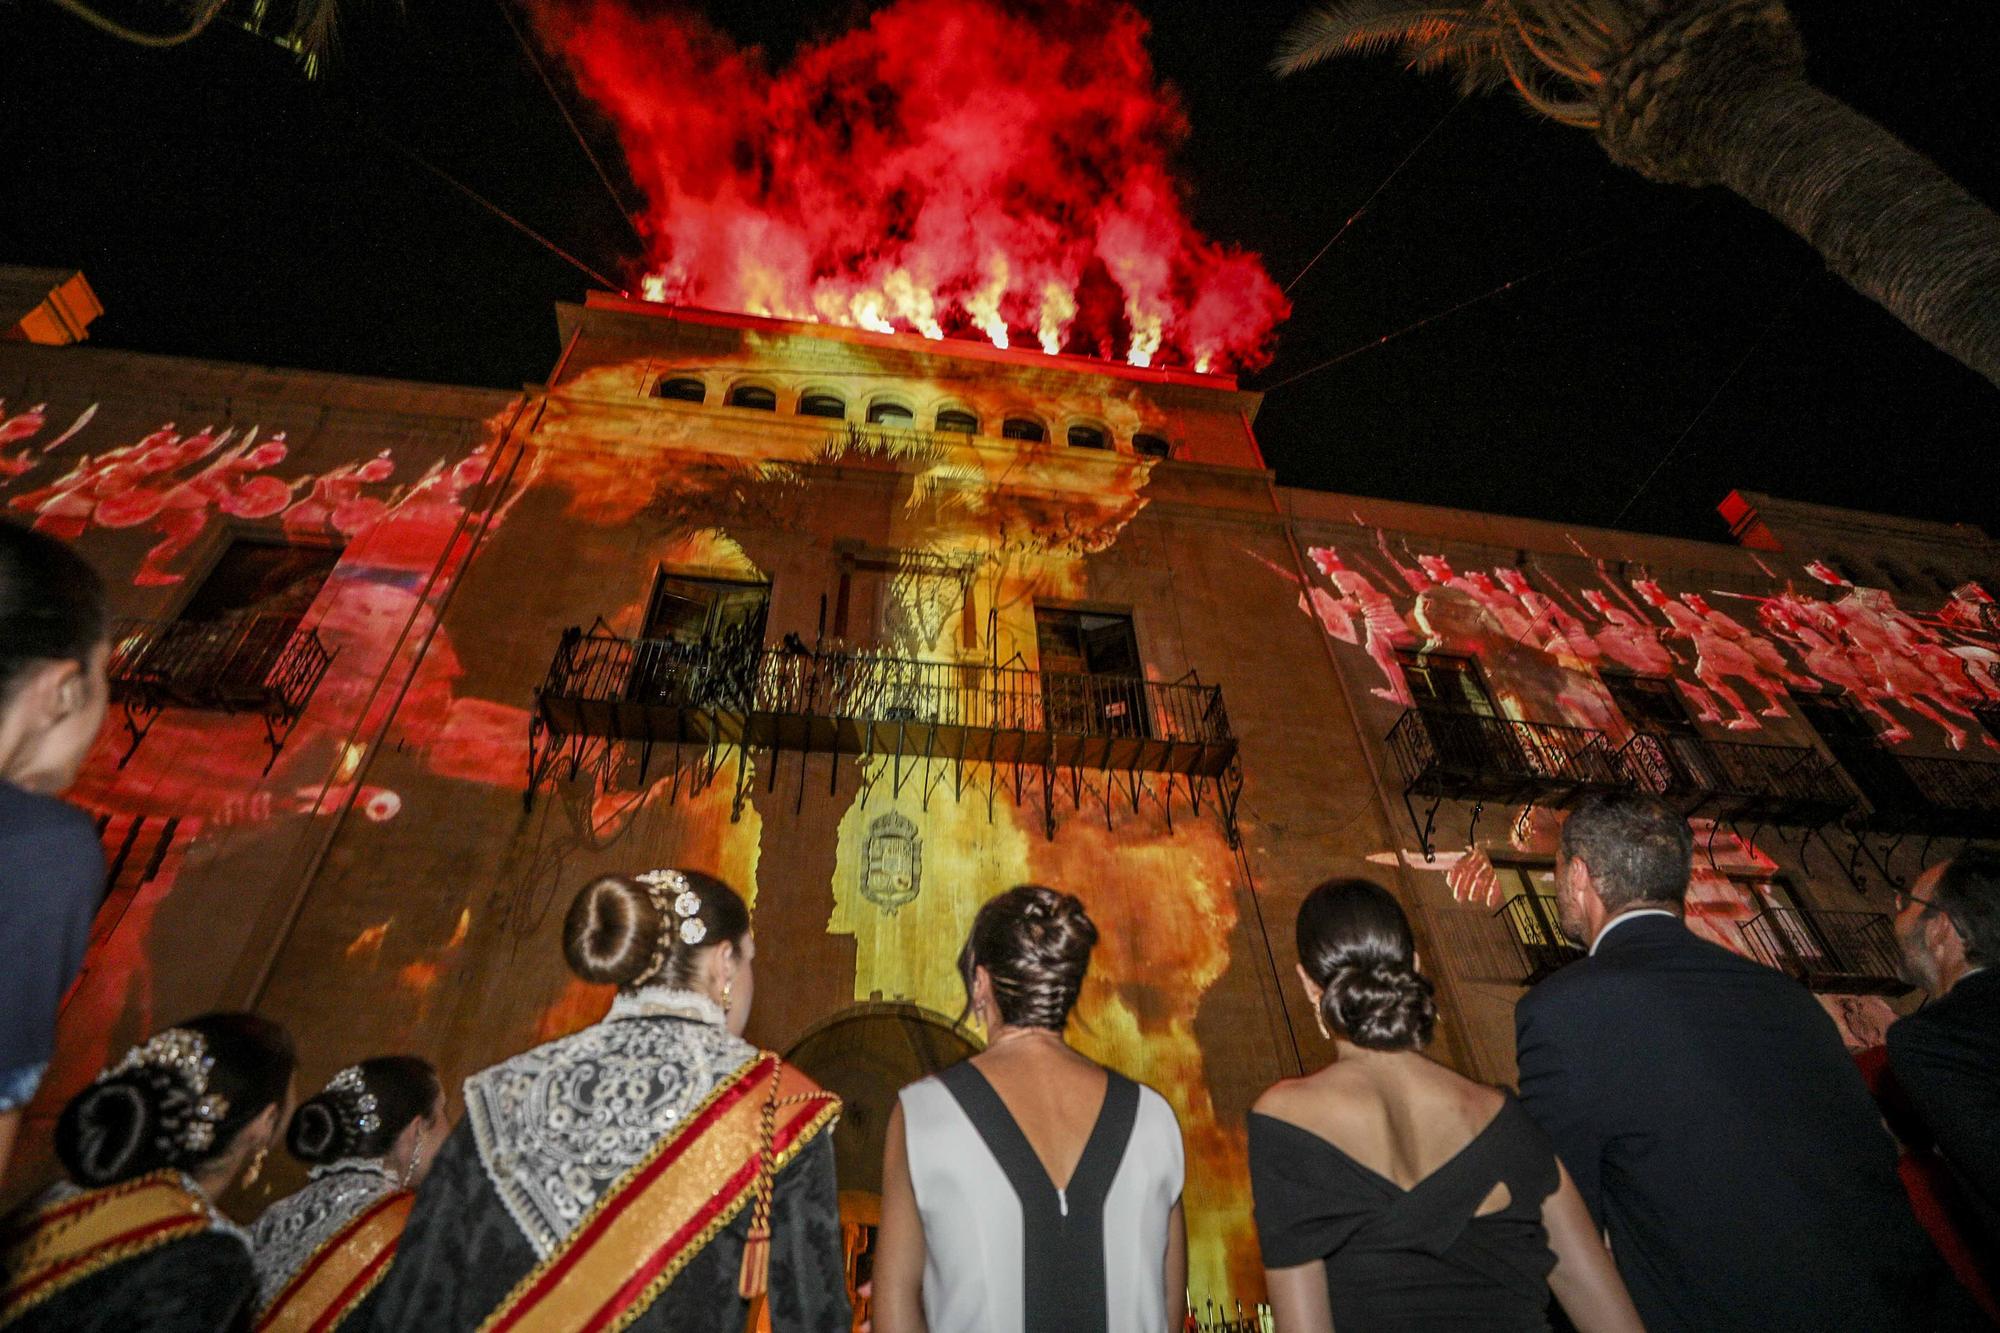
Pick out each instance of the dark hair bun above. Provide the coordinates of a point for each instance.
(622, 931)
(121, 1127)
(610, 932)
(1035, 944)
(1355, 943)
(1380, 1006)
(315, 1134)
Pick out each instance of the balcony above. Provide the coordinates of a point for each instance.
(841, 701)
(1467, 756)
(1736, 780)
(246, 664)
(1934, 797)
(1842, 953)
(1538, 941)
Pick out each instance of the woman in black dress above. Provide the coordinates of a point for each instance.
(1391, 1193)
(134, 1240)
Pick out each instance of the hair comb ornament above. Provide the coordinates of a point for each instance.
(182, 1054)
(357, 1105)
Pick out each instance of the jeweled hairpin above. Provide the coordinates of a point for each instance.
(182, 1054)
(684, 909)
(356, 1100)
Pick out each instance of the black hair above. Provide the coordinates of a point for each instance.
(1968, 891)
(1639, 848)
(616, 928)
(336, 1121)
(1355, 944)
(1035, 943)
(129, 1123)
(51, 604)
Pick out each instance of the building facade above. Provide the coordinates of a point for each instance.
(875, 627)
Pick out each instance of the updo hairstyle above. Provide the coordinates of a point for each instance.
(1035, 943)
(148, 1113)
(51, 604)
(621, 931)
(363, 1110)
(1356, 946)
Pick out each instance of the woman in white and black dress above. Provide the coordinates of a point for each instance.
(368, 1136)
(1029, 1190)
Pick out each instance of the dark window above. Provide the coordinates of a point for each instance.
(691, 611)
(964, 423)
(262, 578)
(1652, 704)
(1092, 680)
(823, 405)
(1023, 428)
(1152, 446)
(682, 390)
(754, 397)
(1086, 437)
(890, 414)
(1444, 684)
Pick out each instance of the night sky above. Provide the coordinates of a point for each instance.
(225, 207)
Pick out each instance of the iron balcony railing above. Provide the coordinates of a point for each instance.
(1923, 794)
(264, 664)
(1778, 784)
(1468, 755)
(1850, 953)
(839, 700)
(248, 663)
(1538, 939)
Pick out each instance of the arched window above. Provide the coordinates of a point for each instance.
(1086, 437)
(964, 423)
(823, 405)
(753, 396)
(1023, 428)
(1152, 446)
(682, 390)
(887, 412)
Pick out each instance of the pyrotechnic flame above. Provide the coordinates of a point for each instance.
(369, 941)
(951, 168)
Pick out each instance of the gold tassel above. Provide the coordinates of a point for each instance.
(756, 1273)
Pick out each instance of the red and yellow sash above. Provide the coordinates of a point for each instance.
(661, 1213)
(66, 1242)
(342, 1271)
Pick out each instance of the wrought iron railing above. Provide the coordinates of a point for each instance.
(1531, 924)
(1969, 785)
(610, 685)
(1467, 754)
(1777, 782)
(257, 664)
(1851, 953)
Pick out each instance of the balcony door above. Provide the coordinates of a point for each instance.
(699, 644)
(1851, 737)
(234, 629)
(1465, 731)
(1093, 683)
(1665, 742)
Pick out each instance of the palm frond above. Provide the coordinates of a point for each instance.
(1366, 27)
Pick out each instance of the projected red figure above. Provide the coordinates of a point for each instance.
(1718, 658)
(1382, 627)
(951, 168)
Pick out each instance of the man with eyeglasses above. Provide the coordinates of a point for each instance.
(1946, 1056)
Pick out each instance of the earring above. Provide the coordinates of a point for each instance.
(416, 1157)
(728, 989)
(256, 1167)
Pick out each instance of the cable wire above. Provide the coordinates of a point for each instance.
(1393, 173)
(1727, 380)
(562, 109)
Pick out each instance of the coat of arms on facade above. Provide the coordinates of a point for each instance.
(892, 862)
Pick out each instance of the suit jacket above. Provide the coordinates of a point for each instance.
(1712, 1120)
(1946, 1058)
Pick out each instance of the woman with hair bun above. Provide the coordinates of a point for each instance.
(134, 1240)
(1390, 1192)
(368, 1137)
(1028, 1188)
(653, 1172)
(54, 642)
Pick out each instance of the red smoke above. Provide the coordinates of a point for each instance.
(954, 168)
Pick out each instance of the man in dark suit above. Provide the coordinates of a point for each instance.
(1707, 1110)
(1946, 1056)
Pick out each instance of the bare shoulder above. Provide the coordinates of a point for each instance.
(1292, 1098)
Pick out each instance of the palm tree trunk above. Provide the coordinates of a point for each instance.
(1882, 215)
